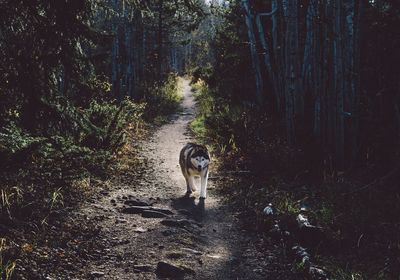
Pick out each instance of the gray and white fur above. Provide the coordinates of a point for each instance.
(194, 160)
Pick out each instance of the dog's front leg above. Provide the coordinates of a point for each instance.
(204, 178)
(189, 189)
(191, 183)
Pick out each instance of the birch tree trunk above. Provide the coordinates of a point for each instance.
(327, 74)
(253, 50)
(267, 54)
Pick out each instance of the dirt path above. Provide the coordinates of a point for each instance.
(145, 223)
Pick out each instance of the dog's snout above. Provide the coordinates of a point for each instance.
(199, 167)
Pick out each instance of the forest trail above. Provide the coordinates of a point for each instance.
(203, 241)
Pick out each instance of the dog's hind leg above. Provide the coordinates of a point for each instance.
(204, 178)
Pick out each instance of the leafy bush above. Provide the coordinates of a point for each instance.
(14, 143)
(77, 144)
(163, 99)
(203, 74)
(113, 120)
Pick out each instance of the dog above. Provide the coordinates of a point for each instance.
(194, 160)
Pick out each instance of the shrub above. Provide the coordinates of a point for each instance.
(78, 143)
(113, 121)
(163, 99)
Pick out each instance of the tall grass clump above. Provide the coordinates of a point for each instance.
(6, 266)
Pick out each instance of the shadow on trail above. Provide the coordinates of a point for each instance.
(187, 206)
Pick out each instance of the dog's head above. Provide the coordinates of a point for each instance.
(200, 160)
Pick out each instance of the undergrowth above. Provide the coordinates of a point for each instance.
(66, 155)
(163, 99)
(6, 266)
(42, 167)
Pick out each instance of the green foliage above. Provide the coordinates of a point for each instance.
(113, 120)
(163, 99)
(198, 126)
(78, 144)
(202, 77)
(14, 141)
(204, 103)
(41, 44)
(59, 122)
(232, 77)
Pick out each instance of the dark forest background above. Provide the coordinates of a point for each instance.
(303, 95)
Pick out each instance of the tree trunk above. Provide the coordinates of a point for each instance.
(292, 92)
(267, 54)
(253, 50)
(115, 53)
(339, 81)
(160, 38)
(307, 69)
(130, 67)
(358, 27)
(278, 54)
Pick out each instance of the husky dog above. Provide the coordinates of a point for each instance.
(194, 160)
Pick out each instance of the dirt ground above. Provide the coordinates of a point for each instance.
(142, 226)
